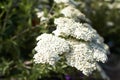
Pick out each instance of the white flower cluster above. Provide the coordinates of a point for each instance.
(72, 12)
(48, 48)
(83, 46)
(69, 27)
(83, 56)
(62, 1)
(67, 2)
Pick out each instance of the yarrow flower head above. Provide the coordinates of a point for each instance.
(69, 27)
(61, 1)
(67, 2)
(80, 44)
(49, 47)
(84, 57)
(72, 12)
(81, 55)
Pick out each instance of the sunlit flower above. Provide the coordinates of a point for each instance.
(61, 1)
(48, 48)
(69, 27)
(84, 56)
(78, 42)
(72, 12)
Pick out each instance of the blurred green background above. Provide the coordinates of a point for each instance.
(19, 27)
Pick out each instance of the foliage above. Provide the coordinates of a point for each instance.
(16, 23)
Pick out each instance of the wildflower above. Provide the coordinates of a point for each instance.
(61, 1)
(49, 47)
(82, 50)
(84, 56)
(72, 12)
(69, 27)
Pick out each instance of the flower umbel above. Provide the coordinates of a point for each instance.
(77, 42)
(72, 12)
(84, 56)
(49, 47)
(69, 27)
